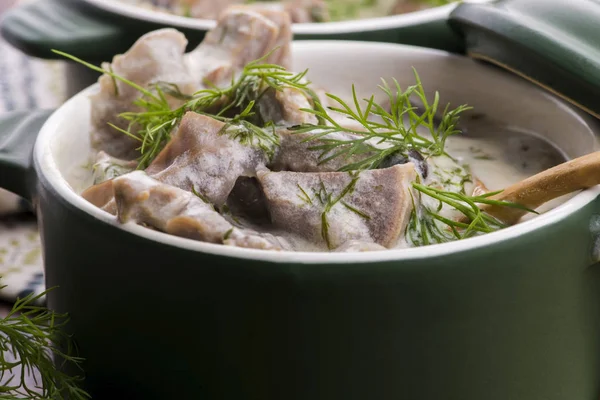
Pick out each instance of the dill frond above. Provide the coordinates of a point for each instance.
(233, 105)
(31, 333)
(382, 132)
(427, 225)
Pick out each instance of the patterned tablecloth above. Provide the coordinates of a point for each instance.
(25, 84)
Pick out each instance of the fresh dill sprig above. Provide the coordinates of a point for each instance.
(233, 104)
(355, 210)
(382, 133)
(438, 3)
(248, 134)
(427, 225)
(30, 333)
(200, 195)
(304, 196)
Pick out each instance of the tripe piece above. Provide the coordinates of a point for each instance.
(407, 6)
(241, 36)
(141, 199)
(336, 207)
(205, 157)
(106, 167)
(305, 11)
(102, 196)
(155, 57)
(295, 153)
(284, 107)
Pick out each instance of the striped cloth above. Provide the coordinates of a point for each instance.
(25, 84)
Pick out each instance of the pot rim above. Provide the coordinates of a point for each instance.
(48, 169)
(323, 28)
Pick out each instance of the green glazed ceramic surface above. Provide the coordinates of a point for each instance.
(39, 26)
(514, 321)
(511, 315)
(19, 133)
(551, 42)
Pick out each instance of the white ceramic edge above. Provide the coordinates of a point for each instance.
(364, 25)
(50, 171)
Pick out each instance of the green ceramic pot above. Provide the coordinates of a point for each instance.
(511, 315)
(102, 28)
(95, 30)
(550, 42)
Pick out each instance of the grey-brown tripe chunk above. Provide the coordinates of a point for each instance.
(283, 42)
(343, 119)
(102, 196)
(284, 107)
(204, 156)
(253, 240)
(241, 36)
(295, 153)
(106, 167)
(303, 11)
(144, 200)
(407, 6)
(337, 207)
(155, 57)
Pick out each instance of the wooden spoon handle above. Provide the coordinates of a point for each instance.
(580, 173)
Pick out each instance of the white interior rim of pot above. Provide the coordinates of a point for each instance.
(47, 166)
(322, 28)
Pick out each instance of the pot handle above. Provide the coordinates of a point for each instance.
(38, 27)
(18, 132)
(552, 43)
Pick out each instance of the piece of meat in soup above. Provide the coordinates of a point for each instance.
(144, 200)
(155, 57)
(295, 153)
(336, 207)
(284, 107)
(106, 167)
(408, 6)
(205, 156)
(304, 11)
(102, 196)
(241, 36)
